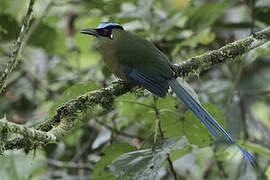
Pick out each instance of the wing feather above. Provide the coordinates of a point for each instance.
(159, 86)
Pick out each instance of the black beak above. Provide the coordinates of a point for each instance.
(89, 31)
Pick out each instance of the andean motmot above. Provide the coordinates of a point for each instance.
(137, 60)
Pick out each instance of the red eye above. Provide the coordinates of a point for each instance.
(106, 31)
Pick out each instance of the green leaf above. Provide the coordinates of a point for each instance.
(207, 38)
(51, 20)
(263, 9)
(12, 7)
(261, 112)
(1, 49)
(203, 158)
(267, 173)
(254, 54)
(43, 36)
(9, 27)
(83, 41)
(173, 124)
(72, 93)
(257, 149)
(73, 138)
(111, 152)
(169, 102)
(144, 164)
(175, 154)
(202, 37)
(18, 166)
(195, 130)
(59, 43)
(204, 15)
(4, 4)
(177, 19)
(130, 109)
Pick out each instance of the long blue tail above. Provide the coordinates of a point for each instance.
(205, 117)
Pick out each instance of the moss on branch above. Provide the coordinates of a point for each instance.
(70, 113)
(33, 135)
(223, 55)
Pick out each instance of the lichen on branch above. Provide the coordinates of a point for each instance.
(8, 129)
(223, 55)
(70, 113)
(19, 44)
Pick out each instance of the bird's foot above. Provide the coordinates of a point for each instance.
(120, 81)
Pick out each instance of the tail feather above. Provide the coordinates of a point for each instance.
(205, 117)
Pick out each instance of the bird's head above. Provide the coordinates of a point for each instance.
(104, 30)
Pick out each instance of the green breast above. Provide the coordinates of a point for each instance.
(135, 52)
(108, 53)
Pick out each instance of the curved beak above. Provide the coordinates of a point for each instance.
(89, 31)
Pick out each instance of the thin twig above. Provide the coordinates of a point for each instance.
(114, 127)
(235, 84)
(162, 136)
(242, 100)
(116, 131)
(15, 80)
(243, 110)
(20, 43)
(42, 83)
(158, 125)
(135, 102)
(240, 70)
(253, 15)
(37, 21)
(82, 150)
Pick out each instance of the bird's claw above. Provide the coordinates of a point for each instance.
(119, 82)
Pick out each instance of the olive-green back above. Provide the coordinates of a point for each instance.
(127, 49)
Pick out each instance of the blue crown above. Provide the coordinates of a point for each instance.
(109, 24)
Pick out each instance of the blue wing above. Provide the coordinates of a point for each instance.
(157, 84)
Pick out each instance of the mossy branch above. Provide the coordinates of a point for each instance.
(19, 44)
(223, 55)
(8, 129)
(70, 113)
(25, 131)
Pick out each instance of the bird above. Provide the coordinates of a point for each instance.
(136, 60)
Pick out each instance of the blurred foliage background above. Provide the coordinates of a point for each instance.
(58, 64)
